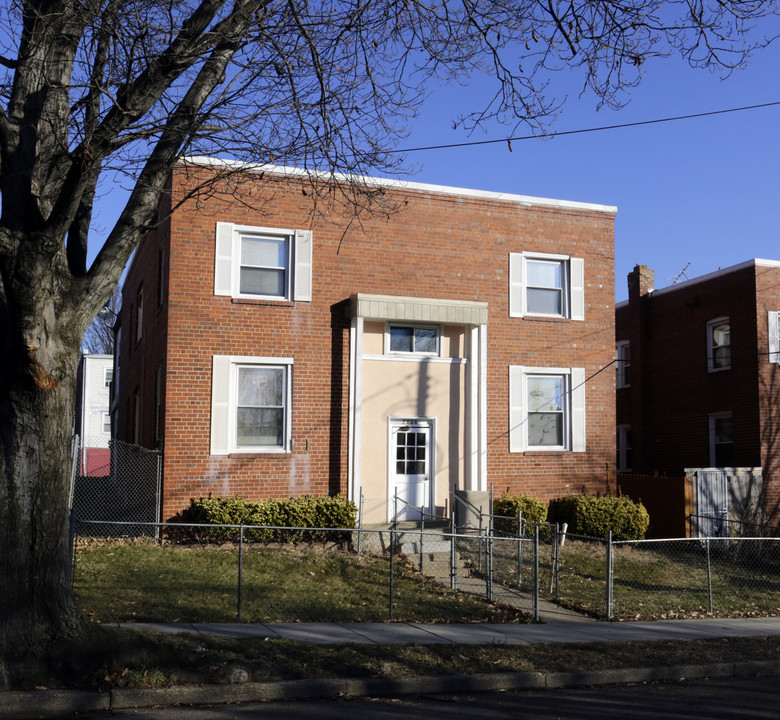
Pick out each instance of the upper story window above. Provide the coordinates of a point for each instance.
(623, 448)
(263, 263)
(721, 440)
(546, 409)
(420, 340)
(773, 332)
(108, 376)
(718, 345)
(160, 277)
(139, 314)
(546, 285)
(623, 364)
(251, 403)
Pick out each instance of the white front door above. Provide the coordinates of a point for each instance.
(410, 468)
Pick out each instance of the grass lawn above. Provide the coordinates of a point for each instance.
(120, 582)
(669, 580)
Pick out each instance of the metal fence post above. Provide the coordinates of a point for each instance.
(519, 548)
(360, 523)
(489, 549)
(709, 574)
(557, 562)
(479, 554)
(536, 573)
(392, 567)
(610, 599)
(422, 534)
(453, 556)
(240, 566)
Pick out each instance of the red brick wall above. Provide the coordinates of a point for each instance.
(768, 299)
(678, 392)
(140, 360)
(433, 245)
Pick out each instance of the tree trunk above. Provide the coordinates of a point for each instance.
(37, 388)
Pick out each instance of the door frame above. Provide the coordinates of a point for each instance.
(396, 421)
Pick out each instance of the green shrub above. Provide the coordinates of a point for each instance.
(533, 509)
(301, 513)
(596, 516)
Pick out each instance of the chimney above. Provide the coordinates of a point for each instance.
(641, 281)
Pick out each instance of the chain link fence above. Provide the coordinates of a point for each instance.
(215, 573)
(114, 481)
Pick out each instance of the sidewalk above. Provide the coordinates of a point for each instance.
(67, 703)
(477, 633)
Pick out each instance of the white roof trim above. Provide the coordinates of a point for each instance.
(403, 185)
(755, 262)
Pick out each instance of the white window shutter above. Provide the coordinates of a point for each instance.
(220, 404)
(577, 291)
(518, 437)
(302, 277)
(577, 379)
(774, 336)
(516, 285)
(223, 255)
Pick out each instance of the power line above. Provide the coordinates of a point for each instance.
(509, 140)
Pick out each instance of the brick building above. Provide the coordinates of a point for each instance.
(276, 343)
(697, 373)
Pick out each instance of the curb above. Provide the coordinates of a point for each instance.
(53, 703)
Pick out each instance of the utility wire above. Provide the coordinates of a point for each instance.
(509, 140)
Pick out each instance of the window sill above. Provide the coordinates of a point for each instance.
(271, 303)
(542, 318)
(281, 455)
(545, 453)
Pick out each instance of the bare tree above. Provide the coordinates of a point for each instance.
(95, 87)
(99, 337)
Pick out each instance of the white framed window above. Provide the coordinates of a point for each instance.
(721, 439)
(624, 460)
(106, 423)
(263, 263)
(718, 344)
(251, 403)
(773, 329)
(108, 376)
(546, 409)
(546, 285)
(412, 339)
(623, 364)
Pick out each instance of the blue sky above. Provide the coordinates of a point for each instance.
(702, 193)
(698, 194)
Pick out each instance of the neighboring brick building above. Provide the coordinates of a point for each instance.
(277, 346)
(697, 375)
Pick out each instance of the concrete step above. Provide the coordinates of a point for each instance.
(429, 546)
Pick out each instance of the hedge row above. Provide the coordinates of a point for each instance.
(596, 516)
(507, 508)
(302, 513)
(584, 514)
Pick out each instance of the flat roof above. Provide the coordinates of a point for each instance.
(401, 184)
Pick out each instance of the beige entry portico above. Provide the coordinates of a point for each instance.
(417, 404)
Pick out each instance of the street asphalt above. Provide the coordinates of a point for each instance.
(66, 703)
